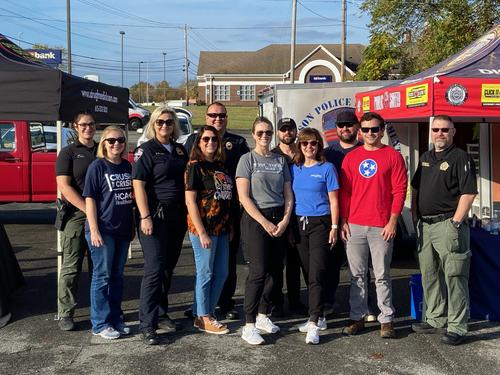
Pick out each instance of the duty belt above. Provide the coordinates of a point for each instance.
(436, 218)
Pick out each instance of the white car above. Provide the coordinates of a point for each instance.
(68, 137)
(185, 125)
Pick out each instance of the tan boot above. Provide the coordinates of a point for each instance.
(353, 327)
(387, 331)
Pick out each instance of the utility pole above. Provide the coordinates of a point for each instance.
(147, 82)
(122, 33)
(186, 63)
(68, 33)
(343, 45)
(292, 46)
(140, 91)
(165, 77)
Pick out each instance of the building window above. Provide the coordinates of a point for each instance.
(247, 92)
(221, 93)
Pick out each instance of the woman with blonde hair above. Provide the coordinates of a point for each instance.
(108, 230)
(158, 180)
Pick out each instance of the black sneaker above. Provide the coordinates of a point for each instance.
(452, 338)
(424, 327)
(66, 323)
(149, 337)
(165, 322)
(232, 315)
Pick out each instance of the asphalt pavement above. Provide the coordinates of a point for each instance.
(32, 343)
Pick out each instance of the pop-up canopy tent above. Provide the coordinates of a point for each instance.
(33, 91)
(466, 85)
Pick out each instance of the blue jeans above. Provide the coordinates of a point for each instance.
(211, 272)
(106, 289)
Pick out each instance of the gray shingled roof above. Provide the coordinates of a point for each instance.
(273, 59)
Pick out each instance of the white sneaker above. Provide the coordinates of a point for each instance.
(321, 325)
(122, 329)
(263, 323)
(251, 335)
(108, 333)
(370, 317)
(312, 336)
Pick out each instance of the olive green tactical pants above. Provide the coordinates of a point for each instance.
(73, 247)
(444, 257)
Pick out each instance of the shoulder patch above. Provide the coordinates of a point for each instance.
(138, 154)
(425, 164)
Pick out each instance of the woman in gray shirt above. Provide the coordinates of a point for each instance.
(264, 190)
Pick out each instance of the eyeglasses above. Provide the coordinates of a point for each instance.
(207, 139)
(86, 124)
(167, 122)
(443, 130)
(286, 128)
(219, 115)
(260, 133)
(112, 141)
(345, 125)
(374, 129)
(311, 143)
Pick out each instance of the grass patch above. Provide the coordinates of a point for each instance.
(239, 118)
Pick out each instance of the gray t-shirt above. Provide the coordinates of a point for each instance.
(267, 175)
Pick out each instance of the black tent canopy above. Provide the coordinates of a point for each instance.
(32, 91)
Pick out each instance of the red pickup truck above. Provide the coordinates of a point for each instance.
(27, 168)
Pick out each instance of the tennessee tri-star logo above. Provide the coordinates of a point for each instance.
(368, 168)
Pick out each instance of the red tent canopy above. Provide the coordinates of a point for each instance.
(466, 85)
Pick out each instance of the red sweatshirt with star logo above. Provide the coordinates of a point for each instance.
(372, 186)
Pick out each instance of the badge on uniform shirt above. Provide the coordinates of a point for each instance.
(425, 164)
(229, 145)
(138, 154)
(444, 166)
(179, 151)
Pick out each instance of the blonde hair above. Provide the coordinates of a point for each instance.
(150, 129)
(101, 149)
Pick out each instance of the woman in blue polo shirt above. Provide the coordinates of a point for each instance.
(109, 229)
(315, 185)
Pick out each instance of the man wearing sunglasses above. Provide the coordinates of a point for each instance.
(444, 187)
(234, 147)
(373, 189)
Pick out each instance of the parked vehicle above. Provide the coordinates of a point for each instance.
(137, 116)
(68, 136)
(185, 125)
(26, 166)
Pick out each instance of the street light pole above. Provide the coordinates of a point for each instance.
(165, 77)
(292, 44)
(147, 82)
(140, 93)
(68, 33)
(122, 33)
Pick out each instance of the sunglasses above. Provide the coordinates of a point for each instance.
(215, 115)
(443, 130)
(260, 133)
(286, 128)
(168, 122)
(345, 125)
(207, 139)
(112, 141)
(374, 129)
(86, 124)
(310, 143)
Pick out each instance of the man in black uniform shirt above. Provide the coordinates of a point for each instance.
(444, 187)
(287, 134)
(234, 146)
(71, 168)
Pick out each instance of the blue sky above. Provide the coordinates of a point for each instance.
(155, 26)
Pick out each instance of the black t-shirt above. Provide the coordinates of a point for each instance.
(441, 178)
(73, 161)
(277, 150)
(214, 189)
(234, 147)
(335, 154)
(162, 170)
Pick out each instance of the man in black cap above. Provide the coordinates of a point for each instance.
(287, 134)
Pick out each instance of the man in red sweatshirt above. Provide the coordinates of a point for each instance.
(373, 188)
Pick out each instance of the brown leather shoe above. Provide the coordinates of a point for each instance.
(387, 331)
(353, 327)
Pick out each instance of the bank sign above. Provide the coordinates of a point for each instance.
(52, 57)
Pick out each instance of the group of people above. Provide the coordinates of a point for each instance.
(298, 206)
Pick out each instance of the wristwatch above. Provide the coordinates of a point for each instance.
(456, 224)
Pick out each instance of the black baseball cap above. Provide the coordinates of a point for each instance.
(286, 121)
(347, 117)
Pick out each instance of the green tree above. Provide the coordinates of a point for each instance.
(408, 36)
